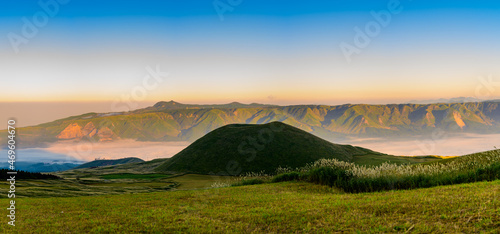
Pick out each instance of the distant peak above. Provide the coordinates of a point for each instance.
(169, 103)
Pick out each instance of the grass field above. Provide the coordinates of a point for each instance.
(134, 176)
(132, 198)
(280, 207)
(68, 188)
(111, 184)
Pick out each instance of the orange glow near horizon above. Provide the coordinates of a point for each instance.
(295, 91)
(272, 97)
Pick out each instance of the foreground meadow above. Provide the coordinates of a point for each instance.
(277, 207)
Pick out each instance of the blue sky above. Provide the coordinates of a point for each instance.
(279, 8)
(280, 52)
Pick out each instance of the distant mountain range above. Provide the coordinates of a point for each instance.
(444, 100)
(40, 166)
(108, 162)
(172, 105)
(172, 121)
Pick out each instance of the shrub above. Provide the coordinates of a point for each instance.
(329, 176)
(286, 177)
(248, 182)
(355, 178)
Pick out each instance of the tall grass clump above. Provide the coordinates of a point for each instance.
(251, 178)
(357, 178)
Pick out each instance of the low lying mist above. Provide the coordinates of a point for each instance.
(41, 155)
(61, 152)
(444, 146)
(87, 151)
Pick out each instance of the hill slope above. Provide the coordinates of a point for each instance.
(240, 148)
(109, 162)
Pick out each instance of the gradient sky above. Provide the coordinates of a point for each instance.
(279, 52)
